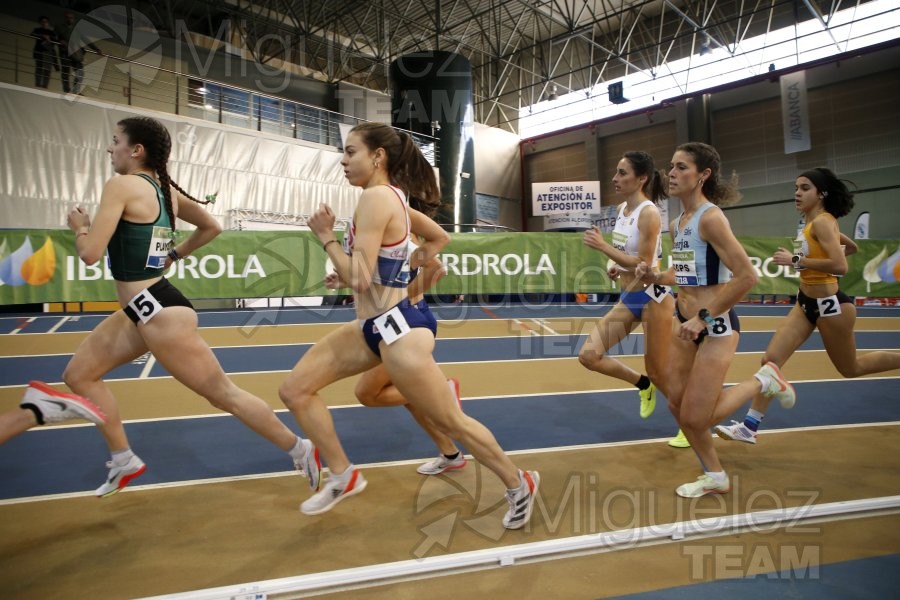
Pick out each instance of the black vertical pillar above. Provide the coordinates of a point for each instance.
(432, 95)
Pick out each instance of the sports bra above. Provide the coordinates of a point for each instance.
(392, 264)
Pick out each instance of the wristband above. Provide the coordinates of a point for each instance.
(325, 245)
(174, 255)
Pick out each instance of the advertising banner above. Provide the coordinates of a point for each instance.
(39, 266)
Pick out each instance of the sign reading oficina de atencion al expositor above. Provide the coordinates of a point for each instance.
(551, 198)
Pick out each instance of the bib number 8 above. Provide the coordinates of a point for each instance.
(721, 327)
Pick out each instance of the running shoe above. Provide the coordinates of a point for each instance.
(774, 385)
(333, 492)
(310, 464)
(120, 476)
(680, 441)
(442, 464)
(648, 401)
(521, 500)
(737, 432)
(52, 406)
(704, 485)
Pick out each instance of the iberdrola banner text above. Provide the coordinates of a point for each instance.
(39, 266)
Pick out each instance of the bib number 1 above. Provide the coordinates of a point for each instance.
(391, 326)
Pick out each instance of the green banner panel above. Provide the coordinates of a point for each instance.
(39, 266)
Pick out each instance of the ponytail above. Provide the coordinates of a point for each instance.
(407, 167)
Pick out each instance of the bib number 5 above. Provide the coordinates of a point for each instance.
(145, 306)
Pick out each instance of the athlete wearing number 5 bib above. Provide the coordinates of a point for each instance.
(818, 256)
(134, 224)
(374, 263)
(636, 238)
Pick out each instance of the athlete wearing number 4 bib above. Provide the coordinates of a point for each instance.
(135, 225)
(822, 198)
(636, 238)
(374, 263)
(713, 273)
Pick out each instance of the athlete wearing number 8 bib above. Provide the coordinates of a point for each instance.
(636, 238)
(713, 272)
(135, 224)
(818, 256)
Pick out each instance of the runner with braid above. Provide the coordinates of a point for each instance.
(135, 224)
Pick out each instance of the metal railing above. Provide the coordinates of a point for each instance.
(112, 78)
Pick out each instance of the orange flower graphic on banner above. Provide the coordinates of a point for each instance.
(25, 266)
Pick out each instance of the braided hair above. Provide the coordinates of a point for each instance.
(157, 143)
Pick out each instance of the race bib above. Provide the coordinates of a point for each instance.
(685, 267)
(161, 241)
(619, 240)
(391, 326)
(657, 292)
(721, 327)
(145, 305)
(829, 307)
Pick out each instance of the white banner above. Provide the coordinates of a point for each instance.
(794, 112)
(553, 198)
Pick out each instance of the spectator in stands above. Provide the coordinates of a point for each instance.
(72, 53)
(45, 52)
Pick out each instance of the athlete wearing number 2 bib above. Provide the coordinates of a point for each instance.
(819, 252)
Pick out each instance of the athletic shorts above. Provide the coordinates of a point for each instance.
(147, 303)
(412, 315)
(813, 308)
(725, 325)
(636, 301)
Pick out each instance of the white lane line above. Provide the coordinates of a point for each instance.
(543, 324)
(401, 463)
(145, 372)
(58, 324)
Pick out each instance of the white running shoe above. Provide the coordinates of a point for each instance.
(120, 476)
(310, 464)
(442, 464)
(704, 485)
(521, 500)
(52, 406)
(774, 385)
(737, 432)
(332, 493)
